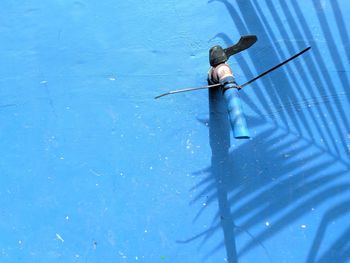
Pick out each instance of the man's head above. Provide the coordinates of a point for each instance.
(217, 56)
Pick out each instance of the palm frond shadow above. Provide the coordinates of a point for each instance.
(296, 162)
(284, 182)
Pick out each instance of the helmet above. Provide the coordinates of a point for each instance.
(217, 56)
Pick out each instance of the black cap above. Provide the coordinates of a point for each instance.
(217, 56)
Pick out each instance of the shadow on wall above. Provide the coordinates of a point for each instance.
(298, 161)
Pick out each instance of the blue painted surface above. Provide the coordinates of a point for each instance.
(94, 170)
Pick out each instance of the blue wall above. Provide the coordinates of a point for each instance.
(93, 169)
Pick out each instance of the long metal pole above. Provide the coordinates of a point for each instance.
(275, 67)
(241, 86)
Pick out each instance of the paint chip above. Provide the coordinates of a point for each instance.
(94, 172)
(59, 237)
(122, 254)
(267, 223)
(303, 226)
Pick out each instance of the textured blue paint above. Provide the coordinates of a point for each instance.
(89, 157)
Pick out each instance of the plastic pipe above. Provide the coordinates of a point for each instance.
(235, 113)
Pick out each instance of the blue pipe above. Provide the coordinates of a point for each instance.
(235, 112)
